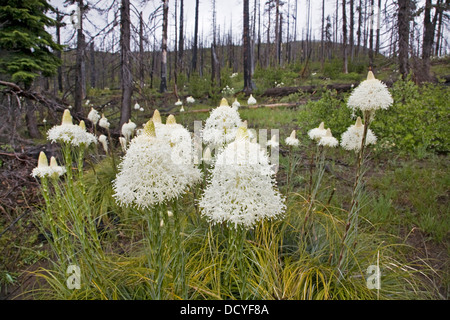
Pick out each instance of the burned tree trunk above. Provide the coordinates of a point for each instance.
(125, 63)
(163, 85)
(248, 88)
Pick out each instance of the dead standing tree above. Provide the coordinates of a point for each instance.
(126, 79)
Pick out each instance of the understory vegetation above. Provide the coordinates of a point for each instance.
(170, 251)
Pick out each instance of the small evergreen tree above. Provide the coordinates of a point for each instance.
(27, 49)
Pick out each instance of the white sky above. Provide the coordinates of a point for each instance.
(228, 12)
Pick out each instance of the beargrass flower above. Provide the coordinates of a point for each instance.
(221, 125)
(103, 122)
(148, 176)
(93, 116)
(328, 140)
(352, 138)
(207, 157)
(190, 99)
(104, 141)
(241, 190)
(370, 95)
(128, 129)
(70, 133)
(251, 100)
(182, 109)
(137, 106)
(236, 104)
(292, 140)
(273, 142)
(43, 170)
(317, 133)
(178, 103)
(123, 143)
(57, 170)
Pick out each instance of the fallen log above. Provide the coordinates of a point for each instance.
(13, 88)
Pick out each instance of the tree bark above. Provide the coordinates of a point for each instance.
(195, 46)
(181, 37)
(80, 68)
(93, 71)
(428, 38)
(371, 34)
(352, 29)
(125, 63)
(248, 88)
(59, 18)
(30, 120)
(163, 85)
(344, 37)
(403, 22)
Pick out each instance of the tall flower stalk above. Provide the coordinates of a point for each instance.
(324, 140)
(369, 96)
(155, 171)
(240, 193)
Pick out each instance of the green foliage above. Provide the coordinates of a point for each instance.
(199, 87)
(268, 77)
(27, 48)
(331, 110)
(421, 191)
(417, 121)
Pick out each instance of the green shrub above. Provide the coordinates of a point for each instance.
(418, 119)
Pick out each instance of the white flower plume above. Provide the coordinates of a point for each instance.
(128, 129)
(370, 95)
(292, 140)
(317, 133)
(328, 140)
(93, 116)
(104, 141)
(103, 122)
(70, 133)
(43, 170)
(241, 189)
(221, 125)
(352, 138)
(251, 100)
(148, 176)
(235, 105)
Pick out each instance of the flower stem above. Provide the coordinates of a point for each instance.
(351, 222)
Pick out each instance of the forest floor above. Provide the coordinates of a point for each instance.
(24, 249)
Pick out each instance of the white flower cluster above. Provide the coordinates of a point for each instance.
(317, 133)
(241, 189)
(128, 129)
(93, 116)
(190, 99)
(352, 138)
(328, 140)
(221, 125)
(227, 91)
(147, 175)
(235, 105)
(251, 100)
(292, 140)
(103, 122)
(70, 133)
(178, 137)
(43, 170)
(370, 95)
